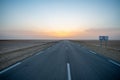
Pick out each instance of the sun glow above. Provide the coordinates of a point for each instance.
(61, 34)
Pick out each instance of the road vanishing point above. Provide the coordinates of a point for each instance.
(64, 61)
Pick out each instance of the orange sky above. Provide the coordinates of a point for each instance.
(57, 19)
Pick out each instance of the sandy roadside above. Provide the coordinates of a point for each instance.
(9, 58)
(110, 52)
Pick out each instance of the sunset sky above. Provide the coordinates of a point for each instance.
(59, 19)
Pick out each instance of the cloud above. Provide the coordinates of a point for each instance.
(91, 33)
(103, 30)
(113, 33)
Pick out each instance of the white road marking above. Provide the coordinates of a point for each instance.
(92, 52)
(39, 53)
(10, 67)
(68, 71)
(114, 62)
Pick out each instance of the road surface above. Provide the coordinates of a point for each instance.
(64, 61)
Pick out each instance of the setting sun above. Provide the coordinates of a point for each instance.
(62, 34)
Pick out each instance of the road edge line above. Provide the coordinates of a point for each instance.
(92, 52)
(14, 65)
(114, 62)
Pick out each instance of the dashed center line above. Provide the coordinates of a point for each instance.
(68, 71)
(114, 62)
(10, 67)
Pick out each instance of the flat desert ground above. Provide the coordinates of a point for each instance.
(112, 50)
(12, 51)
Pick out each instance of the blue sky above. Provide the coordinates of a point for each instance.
(59, 19)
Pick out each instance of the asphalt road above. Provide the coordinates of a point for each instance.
(64, 61)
